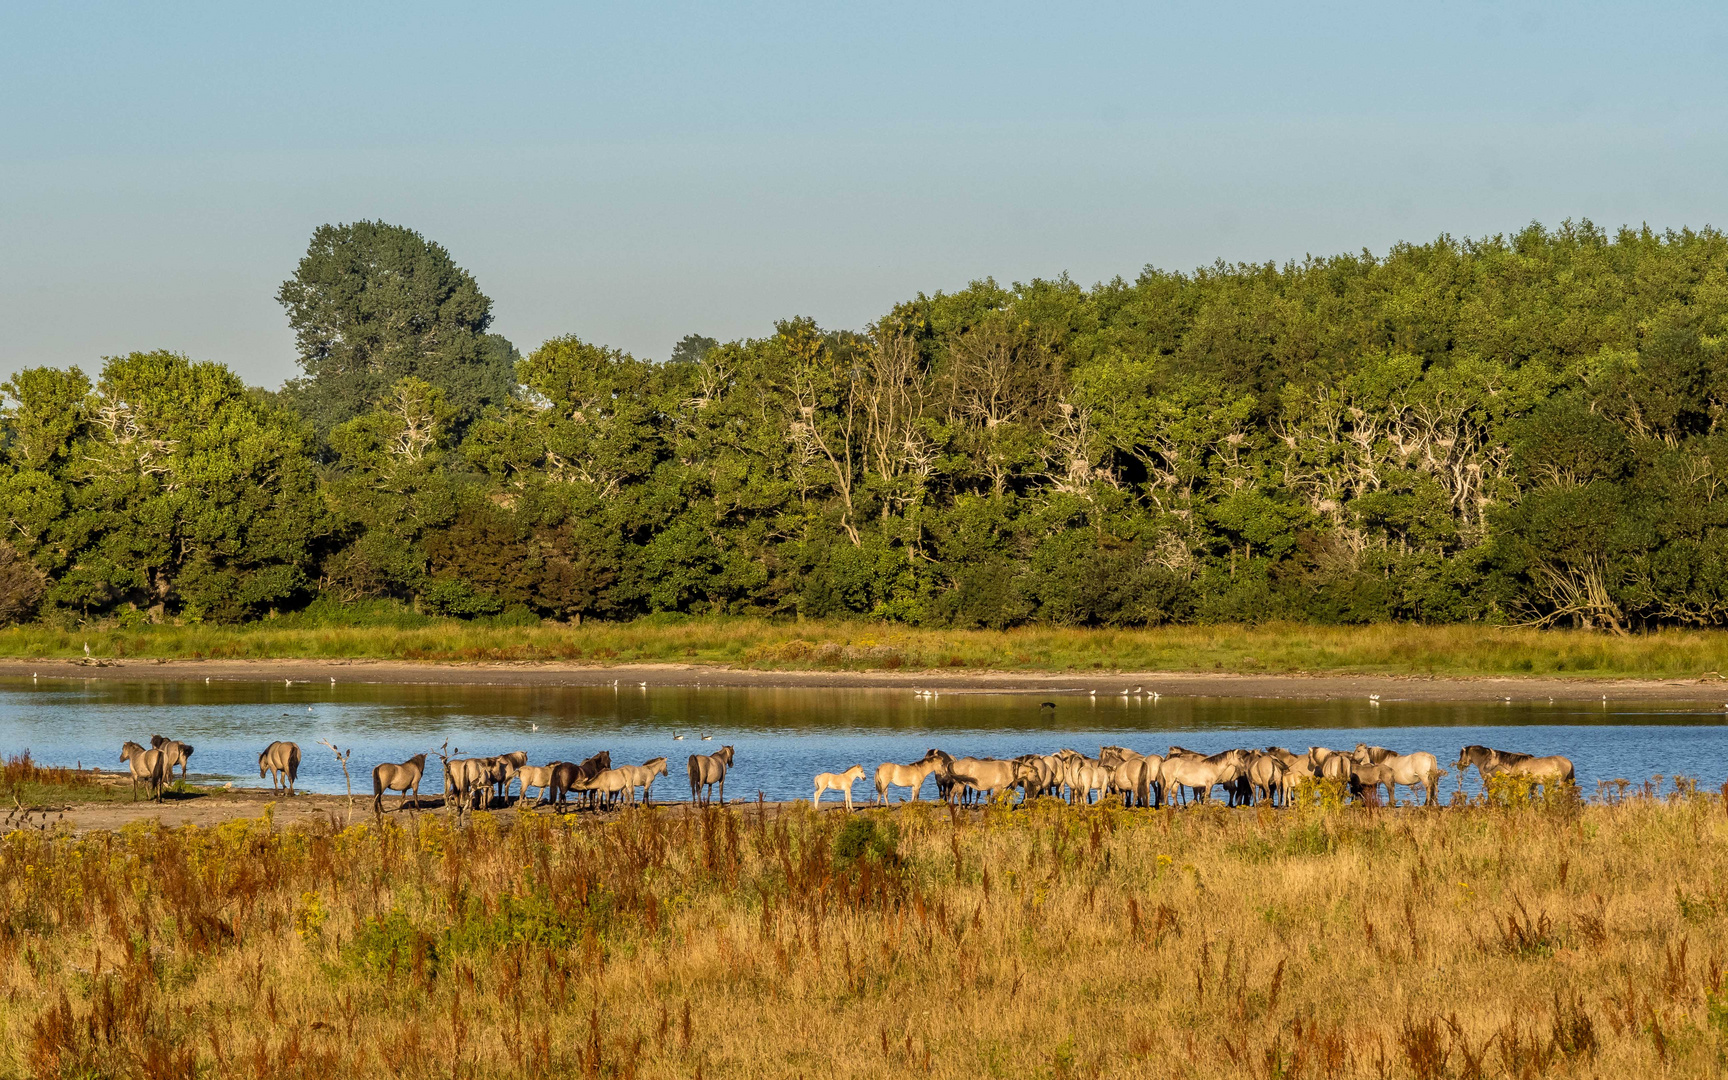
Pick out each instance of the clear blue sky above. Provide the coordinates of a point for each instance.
(632, 173)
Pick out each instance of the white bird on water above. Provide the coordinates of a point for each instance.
(533, 727)
(1156, 695)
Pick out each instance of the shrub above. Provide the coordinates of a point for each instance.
(863, 838)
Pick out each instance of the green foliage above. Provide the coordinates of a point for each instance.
(21, 586)
(388, 943)
(167, 487)
(371, 304)
(1518, 429)
(863, 837)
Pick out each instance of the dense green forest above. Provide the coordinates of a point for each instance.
(1522, 429)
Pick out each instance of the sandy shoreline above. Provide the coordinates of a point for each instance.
(1711, 688)
(208, 807)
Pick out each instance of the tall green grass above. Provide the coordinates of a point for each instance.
(814, 646)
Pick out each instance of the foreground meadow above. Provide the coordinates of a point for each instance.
(752, 942)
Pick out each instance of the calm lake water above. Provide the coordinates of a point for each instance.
(783, 737)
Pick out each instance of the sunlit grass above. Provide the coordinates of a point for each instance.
(755, 643)
(25, 783)
(1048, 942)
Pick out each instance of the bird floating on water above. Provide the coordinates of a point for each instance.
(533, 727)
(707, 738)
(679, 738)
(1156, 695)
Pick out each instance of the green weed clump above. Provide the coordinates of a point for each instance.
(1478, 940)
(25, 783)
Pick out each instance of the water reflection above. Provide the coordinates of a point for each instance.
(784, 736)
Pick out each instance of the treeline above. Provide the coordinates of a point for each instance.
(1521, 429)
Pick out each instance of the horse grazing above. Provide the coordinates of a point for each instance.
(1420, 769)
(944, 772)
(281, 760)
(468, 779)
(404, 778)
(504, 769)
(840, 781)
(1036, 775)
(706, 770)
(611, 785)
(152, 765)
(889, 774)
(174, 752)
(567, 777)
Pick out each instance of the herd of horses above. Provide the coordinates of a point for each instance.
(477, 782)
(1246, 776)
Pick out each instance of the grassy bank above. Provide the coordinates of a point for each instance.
(24, 783)
(754, 643)
(1045, 942)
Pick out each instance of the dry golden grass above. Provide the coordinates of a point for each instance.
(1466, 942)
(762, 644)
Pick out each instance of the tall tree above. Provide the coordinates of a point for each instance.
(373, 303)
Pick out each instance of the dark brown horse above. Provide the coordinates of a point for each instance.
(569, 777)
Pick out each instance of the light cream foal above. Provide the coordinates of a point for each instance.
(841, 782)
